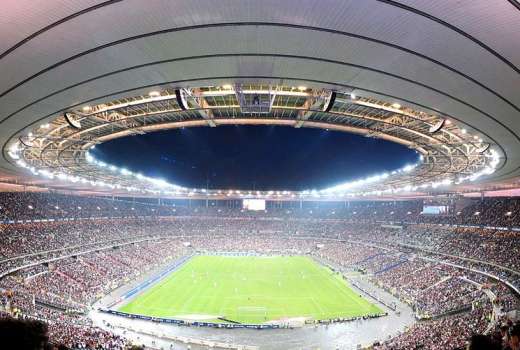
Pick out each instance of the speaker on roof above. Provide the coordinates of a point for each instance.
(72, 119)
(25, 143)
(181, 99)
(437, 126)
(330, 102)
(484, 148)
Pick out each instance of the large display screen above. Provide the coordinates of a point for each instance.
(253, 204)
(435, 209)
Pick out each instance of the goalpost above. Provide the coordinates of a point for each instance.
(255, 314)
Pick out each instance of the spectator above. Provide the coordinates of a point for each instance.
(23, 334)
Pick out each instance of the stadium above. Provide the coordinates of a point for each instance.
(333, 174)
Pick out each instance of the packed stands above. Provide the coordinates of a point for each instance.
(55, 263)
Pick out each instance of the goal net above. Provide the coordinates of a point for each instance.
(252, 314)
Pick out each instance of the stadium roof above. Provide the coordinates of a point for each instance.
(434, 61)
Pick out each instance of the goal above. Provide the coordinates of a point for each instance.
(253, 314)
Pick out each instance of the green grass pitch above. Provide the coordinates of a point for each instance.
(251, 289)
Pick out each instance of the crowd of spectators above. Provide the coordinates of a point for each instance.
(451, 332)
(493, 212)
(60, 293)
(492, 251)
(55, 261)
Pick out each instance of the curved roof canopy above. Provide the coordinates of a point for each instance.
(440, 77)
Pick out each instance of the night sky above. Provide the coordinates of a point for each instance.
(255, 157)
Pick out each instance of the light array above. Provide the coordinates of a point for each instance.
(340, 190)
(157, 185)
(149, 184)
(369, 180)
(449, 154)
(162, 187)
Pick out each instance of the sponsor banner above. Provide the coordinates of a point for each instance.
(196, 323)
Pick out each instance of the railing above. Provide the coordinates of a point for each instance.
(190, 323)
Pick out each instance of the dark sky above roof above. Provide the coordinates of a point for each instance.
(255, 157)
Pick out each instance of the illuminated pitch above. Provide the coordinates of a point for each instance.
(251, 289)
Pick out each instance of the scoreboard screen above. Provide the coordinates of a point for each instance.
(435, 209)
(253, 204)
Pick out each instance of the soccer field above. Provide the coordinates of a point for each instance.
(251, 289)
